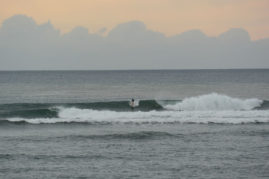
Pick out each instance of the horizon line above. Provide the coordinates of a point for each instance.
(190, 69)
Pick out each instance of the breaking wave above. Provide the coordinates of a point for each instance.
(75, 115)
(211, 108)
(215, 102)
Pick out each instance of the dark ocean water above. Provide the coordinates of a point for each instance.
(186, 124)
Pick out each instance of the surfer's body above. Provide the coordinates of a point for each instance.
(132, 103)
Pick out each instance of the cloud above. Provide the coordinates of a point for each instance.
(25, 45)
(102, 30)
(135, 31)
(235, 35)
(19, 28)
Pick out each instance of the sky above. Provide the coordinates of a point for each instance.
(128, 34)
(167, 16)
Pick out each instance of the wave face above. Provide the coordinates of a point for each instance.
(52, 110)
(215, 102)
(211, 108)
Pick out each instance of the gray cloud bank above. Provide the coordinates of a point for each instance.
(24, 45)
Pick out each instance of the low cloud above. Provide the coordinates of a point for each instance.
(25, 45)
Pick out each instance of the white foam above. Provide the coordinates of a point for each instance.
(215, 102)
(88, 115)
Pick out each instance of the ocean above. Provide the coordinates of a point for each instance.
(186, 124)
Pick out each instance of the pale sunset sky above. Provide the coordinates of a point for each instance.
(167, 16)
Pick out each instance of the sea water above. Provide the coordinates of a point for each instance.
(188, 124)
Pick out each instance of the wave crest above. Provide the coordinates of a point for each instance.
(215, 102)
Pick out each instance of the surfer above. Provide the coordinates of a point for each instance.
(132, 103)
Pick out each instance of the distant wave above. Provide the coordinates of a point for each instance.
(132, 135)
(210, 108)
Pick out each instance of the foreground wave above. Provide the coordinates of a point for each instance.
(211, 108)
